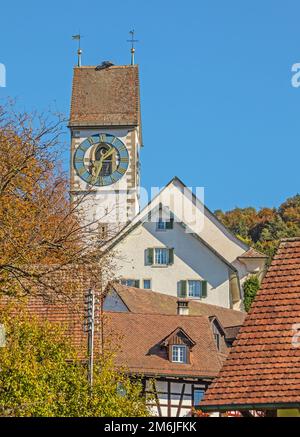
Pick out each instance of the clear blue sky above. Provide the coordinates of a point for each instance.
(218, 107)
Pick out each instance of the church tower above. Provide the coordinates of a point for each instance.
(106, 137)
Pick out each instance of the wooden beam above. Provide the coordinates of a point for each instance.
(181, 400)
(156, 399)
(169, 398)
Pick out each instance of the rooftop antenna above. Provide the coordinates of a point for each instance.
(132, 41)
(79, 51)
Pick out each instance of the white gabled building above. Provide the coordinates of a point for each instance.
(198, 260)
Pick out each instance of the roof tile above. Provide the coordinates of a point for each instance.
(264, 364)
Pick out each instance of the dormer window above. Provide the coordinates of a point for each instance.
(179, 346)
(179, 354)
(218, 332)
(216, 336)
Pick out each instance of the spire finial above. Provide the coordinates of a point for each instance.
(132, 41)
(79, 51)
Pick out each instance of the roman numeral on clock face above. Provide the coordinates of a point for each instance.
(81, 171)
(121, 170)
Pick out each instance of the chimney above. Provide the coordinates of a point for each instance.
(182, 307)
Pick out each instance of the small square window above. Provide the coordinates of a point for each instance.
(161, 225)
(179, 354)
(147, 284)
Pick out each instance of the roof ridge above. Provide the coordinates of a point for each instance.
(148, 291)
(111, 66)
(189, 316)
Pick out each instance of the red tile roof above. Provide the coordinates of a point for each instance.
(106, 97)
(67, 310)
(252, 253)
(263, 367)
(151, 302)
(141, 335)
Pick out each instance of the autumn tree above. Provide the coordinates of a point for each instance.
(264, 228)
(40, 229)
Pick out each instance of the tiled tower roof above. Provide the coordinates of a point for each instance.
(105, 97)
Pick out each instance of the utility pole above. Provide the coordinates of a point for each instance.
(89, 327)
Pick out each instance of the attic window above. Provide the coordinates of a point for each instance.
(179, 354)
(217, 336)
(131, 282)
(162, 225)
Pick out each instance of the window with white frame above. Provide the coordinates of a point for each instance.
(194, 289)
(179, 354)
(161, 256)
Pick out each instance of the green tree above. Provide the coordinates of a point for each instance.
(41, 375)
(264, 228)
(250, 287)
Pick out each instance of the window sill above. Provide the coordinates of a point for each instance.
(160, 265)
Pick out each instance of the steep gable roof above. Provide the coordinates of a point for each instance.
(105, 97)
(178, 332)
(138, 300)
(263, 367)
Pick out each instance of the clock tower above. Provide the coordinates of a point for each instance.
(106, 137)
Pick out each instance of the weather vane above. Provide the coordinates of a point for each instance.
(79, 51)
(132, 41)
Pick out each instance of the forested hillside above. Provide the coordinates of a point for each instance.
(264, 228)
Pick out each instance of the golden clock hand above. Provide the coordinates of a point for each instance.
(108, 153)
(98, 167)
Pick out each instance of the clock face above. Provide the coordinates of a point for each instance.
(101, 159)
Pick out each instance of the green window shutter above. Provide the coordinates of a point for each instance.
(182, 289)
(204, 289)
(170, 223)
(137, 283)
(149, 256)
(171, 256)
